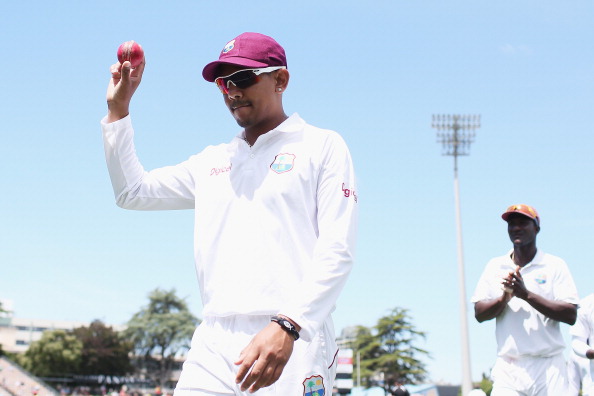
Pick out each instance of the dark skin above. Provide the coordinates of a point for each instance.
(522, 231)
(258, 109)
(124, 82)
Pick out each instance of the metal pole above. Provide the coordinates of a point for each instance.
(358, 369)
(466, 372)
(455, 143)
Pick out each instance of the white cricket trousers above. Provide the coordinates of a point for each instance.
(209, 369)
(530, 376)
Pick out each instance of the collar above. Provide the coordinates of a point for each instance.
(537, 260)
(293, 123)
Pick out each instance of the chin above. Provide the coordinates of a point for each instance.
(241, 122)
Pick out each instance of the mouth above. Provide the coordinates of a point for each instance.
(238, 105)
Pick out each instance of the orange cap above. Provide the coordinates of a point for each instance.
(522, 209)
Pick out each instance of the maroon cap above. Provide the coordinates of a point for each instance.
(250, 50)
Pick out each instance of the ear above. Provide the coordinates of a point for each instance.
(281, 80)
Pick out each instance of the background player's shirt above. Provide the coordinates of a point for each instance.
(521, 330)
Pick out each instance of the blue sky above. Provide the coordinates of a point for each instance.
(374, 71)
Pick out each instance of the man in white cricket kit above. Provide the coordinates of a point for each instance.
(529, 293)
(275, 219)
(582, 336)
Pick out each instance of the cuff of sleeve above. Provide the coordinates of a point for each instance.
(307, 330)
(126, 121)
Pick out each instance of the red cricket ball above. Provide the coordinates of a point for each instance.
(131, 51)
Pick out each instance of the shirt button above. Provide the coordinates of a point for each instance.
(252, 155)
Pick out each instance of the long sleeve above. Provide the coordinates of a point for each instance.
(333, 254)
(165, 188)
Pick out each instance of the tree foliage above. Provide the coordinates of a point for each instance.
(388, 350)
(93, 350)
(57, 353)
(486, 384)
(161, 331)
(4, 313)
(104, 351)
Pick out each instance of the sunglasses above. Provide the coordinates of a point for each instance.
(243, 78)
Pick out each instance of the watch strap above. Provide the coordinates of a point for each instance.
(286, 325)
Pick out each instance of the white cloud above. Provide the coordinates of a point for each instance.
(511, 49)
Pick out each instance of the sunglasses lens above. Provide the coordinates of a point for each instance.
(241, 79)
(244, 79)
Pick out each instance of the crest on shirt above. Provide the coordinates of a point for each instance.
(541, 279)
(314, 386)
(283, 163)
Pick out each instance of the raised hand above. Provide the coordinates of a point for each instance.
(122, 85)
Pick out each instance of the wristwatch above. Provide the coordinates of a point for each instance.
(286, 326)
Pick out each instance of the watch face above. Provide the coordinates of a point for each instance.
(286, 325)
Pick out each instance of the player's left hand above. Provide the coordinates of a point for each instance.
(515, 283)
(267, 355)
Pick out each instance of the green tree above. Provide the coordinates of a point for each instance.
(57, 353)
(104, 351)
(159, 332)
(4, 313)
(486, 384)
(390, 348)
(369, 348)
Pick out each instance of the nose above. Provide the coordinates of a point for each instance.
(233, 92)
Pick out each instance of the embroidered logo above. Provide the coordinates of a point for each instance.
(541, 279)
(314, 386)
(283, 163)
(230, 45)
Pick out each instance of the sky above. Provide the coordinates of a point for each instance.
(376, 72)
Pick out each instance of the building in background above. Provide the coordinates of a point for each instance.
(16, 334)
(344, 372)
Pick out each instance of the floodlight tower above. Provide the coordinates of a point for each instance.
(456, 133)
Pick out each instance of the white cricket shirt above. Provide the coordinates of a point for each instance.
(582, 332)
(274, 223)
(521, 330)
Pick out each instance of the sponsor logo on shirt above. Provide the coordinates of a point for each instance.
(314, 386)
(348, 192)
(218, 171)
(283, 163)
